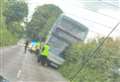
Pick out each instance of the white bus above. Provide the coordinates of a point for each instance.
(64, 32)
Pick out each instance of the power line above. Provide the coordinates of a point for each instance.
(93, 22)
(108, 3)
(93, 10)
(92, 53)
(102, 13)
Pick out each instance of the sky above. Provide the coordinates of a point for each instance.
(98, 24)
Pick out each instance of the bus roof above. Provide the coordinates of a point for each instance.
(82, 26)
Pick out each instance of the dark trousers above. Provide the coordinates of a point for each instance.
(42, 59)
(25, 49)
(38, 58)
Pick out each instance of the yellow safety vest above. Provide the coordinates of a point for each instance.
(45, 52)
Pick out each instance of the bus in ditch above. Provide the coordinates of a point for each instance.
(64, 32)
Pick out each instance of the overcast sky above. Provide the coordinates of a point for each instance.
(97, 23)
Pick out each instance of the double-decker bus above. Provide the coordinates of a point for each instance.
(64, 32)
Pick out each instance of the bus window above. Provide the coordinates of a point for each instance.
(57, 45)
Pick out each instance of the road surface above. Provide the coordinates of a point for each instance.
(19, 67)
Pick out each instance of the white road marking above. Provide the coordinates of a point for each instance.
(19, 73)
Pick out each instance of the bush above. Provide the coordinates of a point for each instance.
(99, 68)
(6, 38)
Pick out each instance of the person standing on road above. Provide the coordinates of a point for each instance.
(26, 45)
(37, 52)
(44, 55)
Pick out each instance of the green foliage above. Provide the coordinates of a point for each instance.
(16, 29)
(101, 68)
(7, 36)
(15, 11)
(43, 19)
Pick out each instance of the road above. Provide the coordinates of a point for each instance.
(17, 66)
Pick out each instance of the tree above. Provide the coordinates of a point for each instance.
(43, 19)
(16, 28)
(102, 67)
(6, 37)
(15, 11)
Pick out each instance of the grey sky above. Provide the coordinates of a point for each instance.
(98, 23)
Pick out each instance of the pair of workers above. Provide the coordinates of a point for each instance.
(42, 52)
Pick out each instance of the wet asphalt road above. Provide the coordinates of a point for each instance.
(17, 66)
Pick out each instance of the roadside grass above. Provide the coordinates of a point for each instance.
(7, 38)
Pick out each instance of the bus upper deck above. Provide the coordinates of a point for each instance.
(65, 32)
